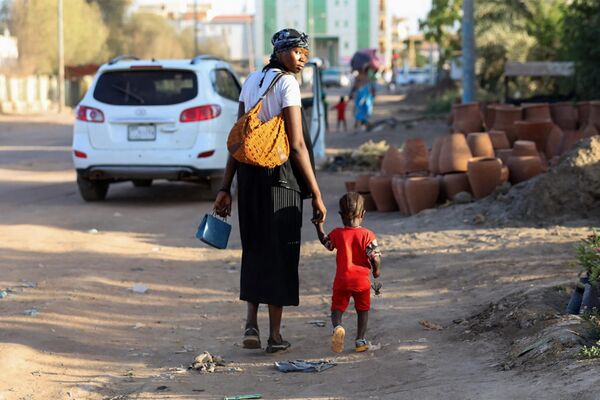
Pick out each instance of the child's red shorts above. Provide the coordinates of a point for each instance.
(341, 299)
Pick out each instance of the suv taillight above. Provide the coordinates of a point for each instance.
(89, 114)
(201, 113)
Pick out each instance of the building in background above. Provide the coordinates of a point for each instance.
(235, 31)
(337, 28)
(9, 52)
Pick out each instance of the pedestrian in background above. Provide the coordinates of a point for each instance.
(341, 113)
(270, 199)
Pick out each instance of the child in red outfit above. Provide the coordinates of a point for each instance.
(357, 254)
(341, 113)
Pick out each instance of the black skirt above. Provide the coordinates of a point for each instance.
(270, 218)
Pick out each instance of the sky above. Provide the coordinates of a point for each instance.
(411, 9)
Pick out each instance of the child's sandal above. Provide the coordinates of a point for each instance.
(337, 339)
(361, 345)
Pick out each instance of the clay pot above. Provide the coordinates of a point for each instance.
(466, 118)
(504, 119)
(523, 168)
(553, 142)
(399, 194)
(594, 117)
(392, 162)
(488, 114)
(589, 130)
(537, 131)
(536, 112)
(350, 186)
(381, 191)
(480, 144)
(454, 154)
(421, 193)
(434, 155)
(504, 174)
(484, 175)
(503, 155)
(564, 115)
(583, 112)
(455, 183)
(544, 161)
(499, 140)
(369, 203)
(570, 138)
(416, 157)
(524, 148)
(362, 183)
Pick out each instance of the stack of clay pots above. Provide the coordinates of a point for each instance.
(466, 118)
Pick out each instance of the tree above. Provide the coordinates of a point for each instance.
(148, 35)
(581, 29)
(34, 23)
(114, 14)
(441, 27)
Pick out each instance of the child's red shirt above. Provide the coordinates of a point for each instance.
(341, 110)
(354, 245)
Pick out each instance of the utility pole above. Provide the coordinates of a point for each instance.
(61, 58)
(468, 52)
(195, 30)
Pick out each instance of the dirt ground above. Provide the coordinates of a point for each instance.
(95, 338)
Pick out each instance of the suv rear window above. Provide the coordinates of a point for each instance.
(146, 87)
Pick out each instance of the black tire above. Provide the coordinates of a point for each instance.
(142, 182)
(92, 190)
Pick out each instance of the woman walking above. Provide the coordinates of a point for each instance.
(270, 199)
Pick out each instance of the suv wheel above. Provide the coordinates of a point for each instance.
(92, 190)
(142, 182)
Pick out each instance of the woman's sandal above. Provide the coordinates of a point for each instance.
(277, 346)
(251, 338)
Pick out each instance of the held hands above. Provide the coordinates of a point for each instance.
(319, 211)
(222, 204)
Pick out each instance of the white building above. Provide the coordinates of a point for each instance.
(235, 31)
(9, 52)
(337, 28)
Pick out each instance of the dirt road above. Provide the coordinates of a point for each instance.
(94, 338)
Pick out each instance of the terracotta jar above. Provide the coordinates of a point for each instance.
(523, 168)
(553, 142)
(466, 118)
(594, 118)
(570, 138)
(454, 154)
(455, 183)
(421, 193)
(399, 194)
(536, 112)
(564, 115)
(362, 183)
(416, 157)
(504, 174)
(480, 144)
(434, 155)
(544, 161)
(499, 140)
(589, 130)
(381, 191)
(583, 112)
(484, 175)
(503, 155)
(504, 119)
(392, 162)
(524, 148)
(350, 186)
(536, 131)
(369, 203)
(488, 115)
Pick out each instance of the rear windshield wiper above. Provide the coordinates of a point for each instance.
(129, 93)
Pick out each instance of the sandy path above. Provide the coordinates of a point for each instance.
(94, 338)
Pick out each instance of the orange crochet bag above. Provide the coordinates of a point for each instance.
(264, 144)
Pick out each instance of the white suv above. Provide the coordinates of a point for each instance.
(154, 119)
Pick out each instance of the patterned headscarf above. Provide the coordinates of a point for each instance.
(287, 39)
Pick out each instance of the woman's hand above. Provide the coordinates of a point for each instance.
(319, 210)
(222, 205)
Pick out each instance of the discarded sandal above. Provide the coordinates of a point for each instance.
(361, 345)
(251, 338)
(277, 346)
(337, 339)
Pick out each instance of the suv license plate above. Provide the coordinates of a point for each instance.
(141, 132)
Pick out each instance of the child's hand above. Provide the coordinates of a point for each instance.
(377, 287)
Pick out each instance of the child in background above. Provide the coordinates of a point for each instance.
(357, 255)
(341, 113)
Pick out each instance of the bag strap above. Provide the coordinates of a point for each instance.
(271, 85)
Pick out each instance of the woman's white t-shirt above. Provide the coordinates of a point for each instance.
(285, 93)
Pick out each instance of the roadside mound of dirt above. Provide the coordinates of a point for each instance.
(533, 326)
(572, 187)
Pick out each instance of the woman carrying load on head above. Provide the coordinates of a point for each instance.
(270, 199)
